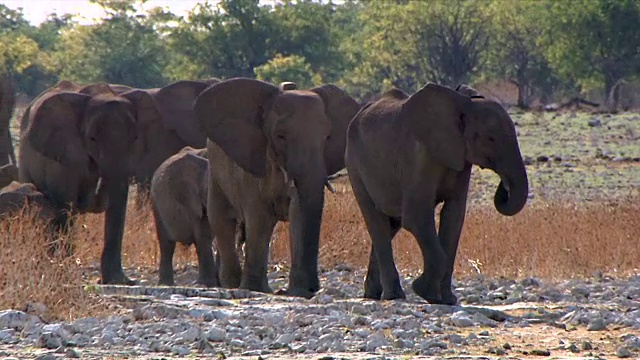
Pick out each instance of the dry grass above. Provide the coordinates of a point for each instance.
(549, 240)
(29, 276)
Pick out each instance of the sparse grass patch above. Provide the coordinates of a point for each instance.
(29, 275)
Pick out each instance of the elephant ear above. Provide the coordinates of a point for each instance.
(146, 112)
(54, 129)
(67, 85)
(95, 89)
(175, 102)
(231, 114)
(435, 117)
(340, 109)
(467, 90)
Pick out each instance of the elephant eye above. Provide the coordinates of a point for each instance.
(491, 139)
(93, 139)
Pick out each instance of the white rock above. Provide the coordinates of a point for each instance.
(191, 334)
(461, 319)
(216, 334)
(14, 319)
(375, 341)
(283, 340)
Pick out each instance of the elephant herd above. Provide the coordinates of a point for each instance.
(229, 159)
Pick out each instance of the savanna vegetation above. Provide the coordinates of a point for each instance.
(583, 215)
(545, 50)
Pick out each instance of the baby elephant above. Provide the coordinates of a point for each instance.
(16, 196)
(179, 201)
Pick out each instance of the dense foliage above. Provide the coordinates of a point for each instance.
(544, 48)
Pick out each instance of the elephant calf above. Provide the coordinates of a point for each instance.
(179, 201)
(16, 196)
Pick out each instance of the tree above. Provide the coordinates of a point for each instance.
(407, 44)
(225, 40)
(304, 28)
(514, 53)
(595, 42)
(290, 68)
(124, 48)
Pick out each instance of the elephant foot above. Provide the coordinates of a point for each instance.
(425, 290)
(261, 286)
(395, 294)
(209, 282)
(298, 292)
(166, 281)
(449, 298)
(372, 289)
(118, 279)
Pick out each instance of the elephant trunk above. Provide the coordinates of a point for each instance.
(513, 190)
(305, 217)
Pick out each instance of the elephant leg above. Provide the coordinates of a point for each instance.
(167, 248)
(259, 229)
(383, 280)
(451, 221)
(230, 272)
(427, 285)
(372, 284)
(111, 259)
(207, 269)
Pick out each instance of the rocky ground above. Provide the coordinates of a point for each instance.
(528, 318)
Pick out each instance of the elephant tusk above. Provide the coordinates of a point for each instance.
(287, 180)
(329, 187)
(98, 185)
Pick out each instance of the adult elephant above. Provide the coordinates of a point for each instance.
(270, 151)
(174, 128)
(406, 154)
(7, 154)
(76, 148)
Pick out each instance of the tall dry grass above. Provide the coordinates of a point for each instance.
(30, 277)
(549, 240)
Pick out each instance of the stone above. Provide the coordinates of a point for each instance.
(623, 352)
(461, 319)
(216, 334)
(596, 324)
(14, 319)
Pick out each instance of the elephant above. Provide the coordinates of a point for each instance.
(7, 154)
(179, 203)
(270, 151)
(76, 148)
(407, 154)
(175, 128)
(16, 196)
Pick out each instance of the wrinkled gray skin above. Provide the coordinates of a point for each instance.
(16, 196)
(76, 148)
(174, 128)
(179, 202)
(8, 168)
(270, 151)
(406, 154)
